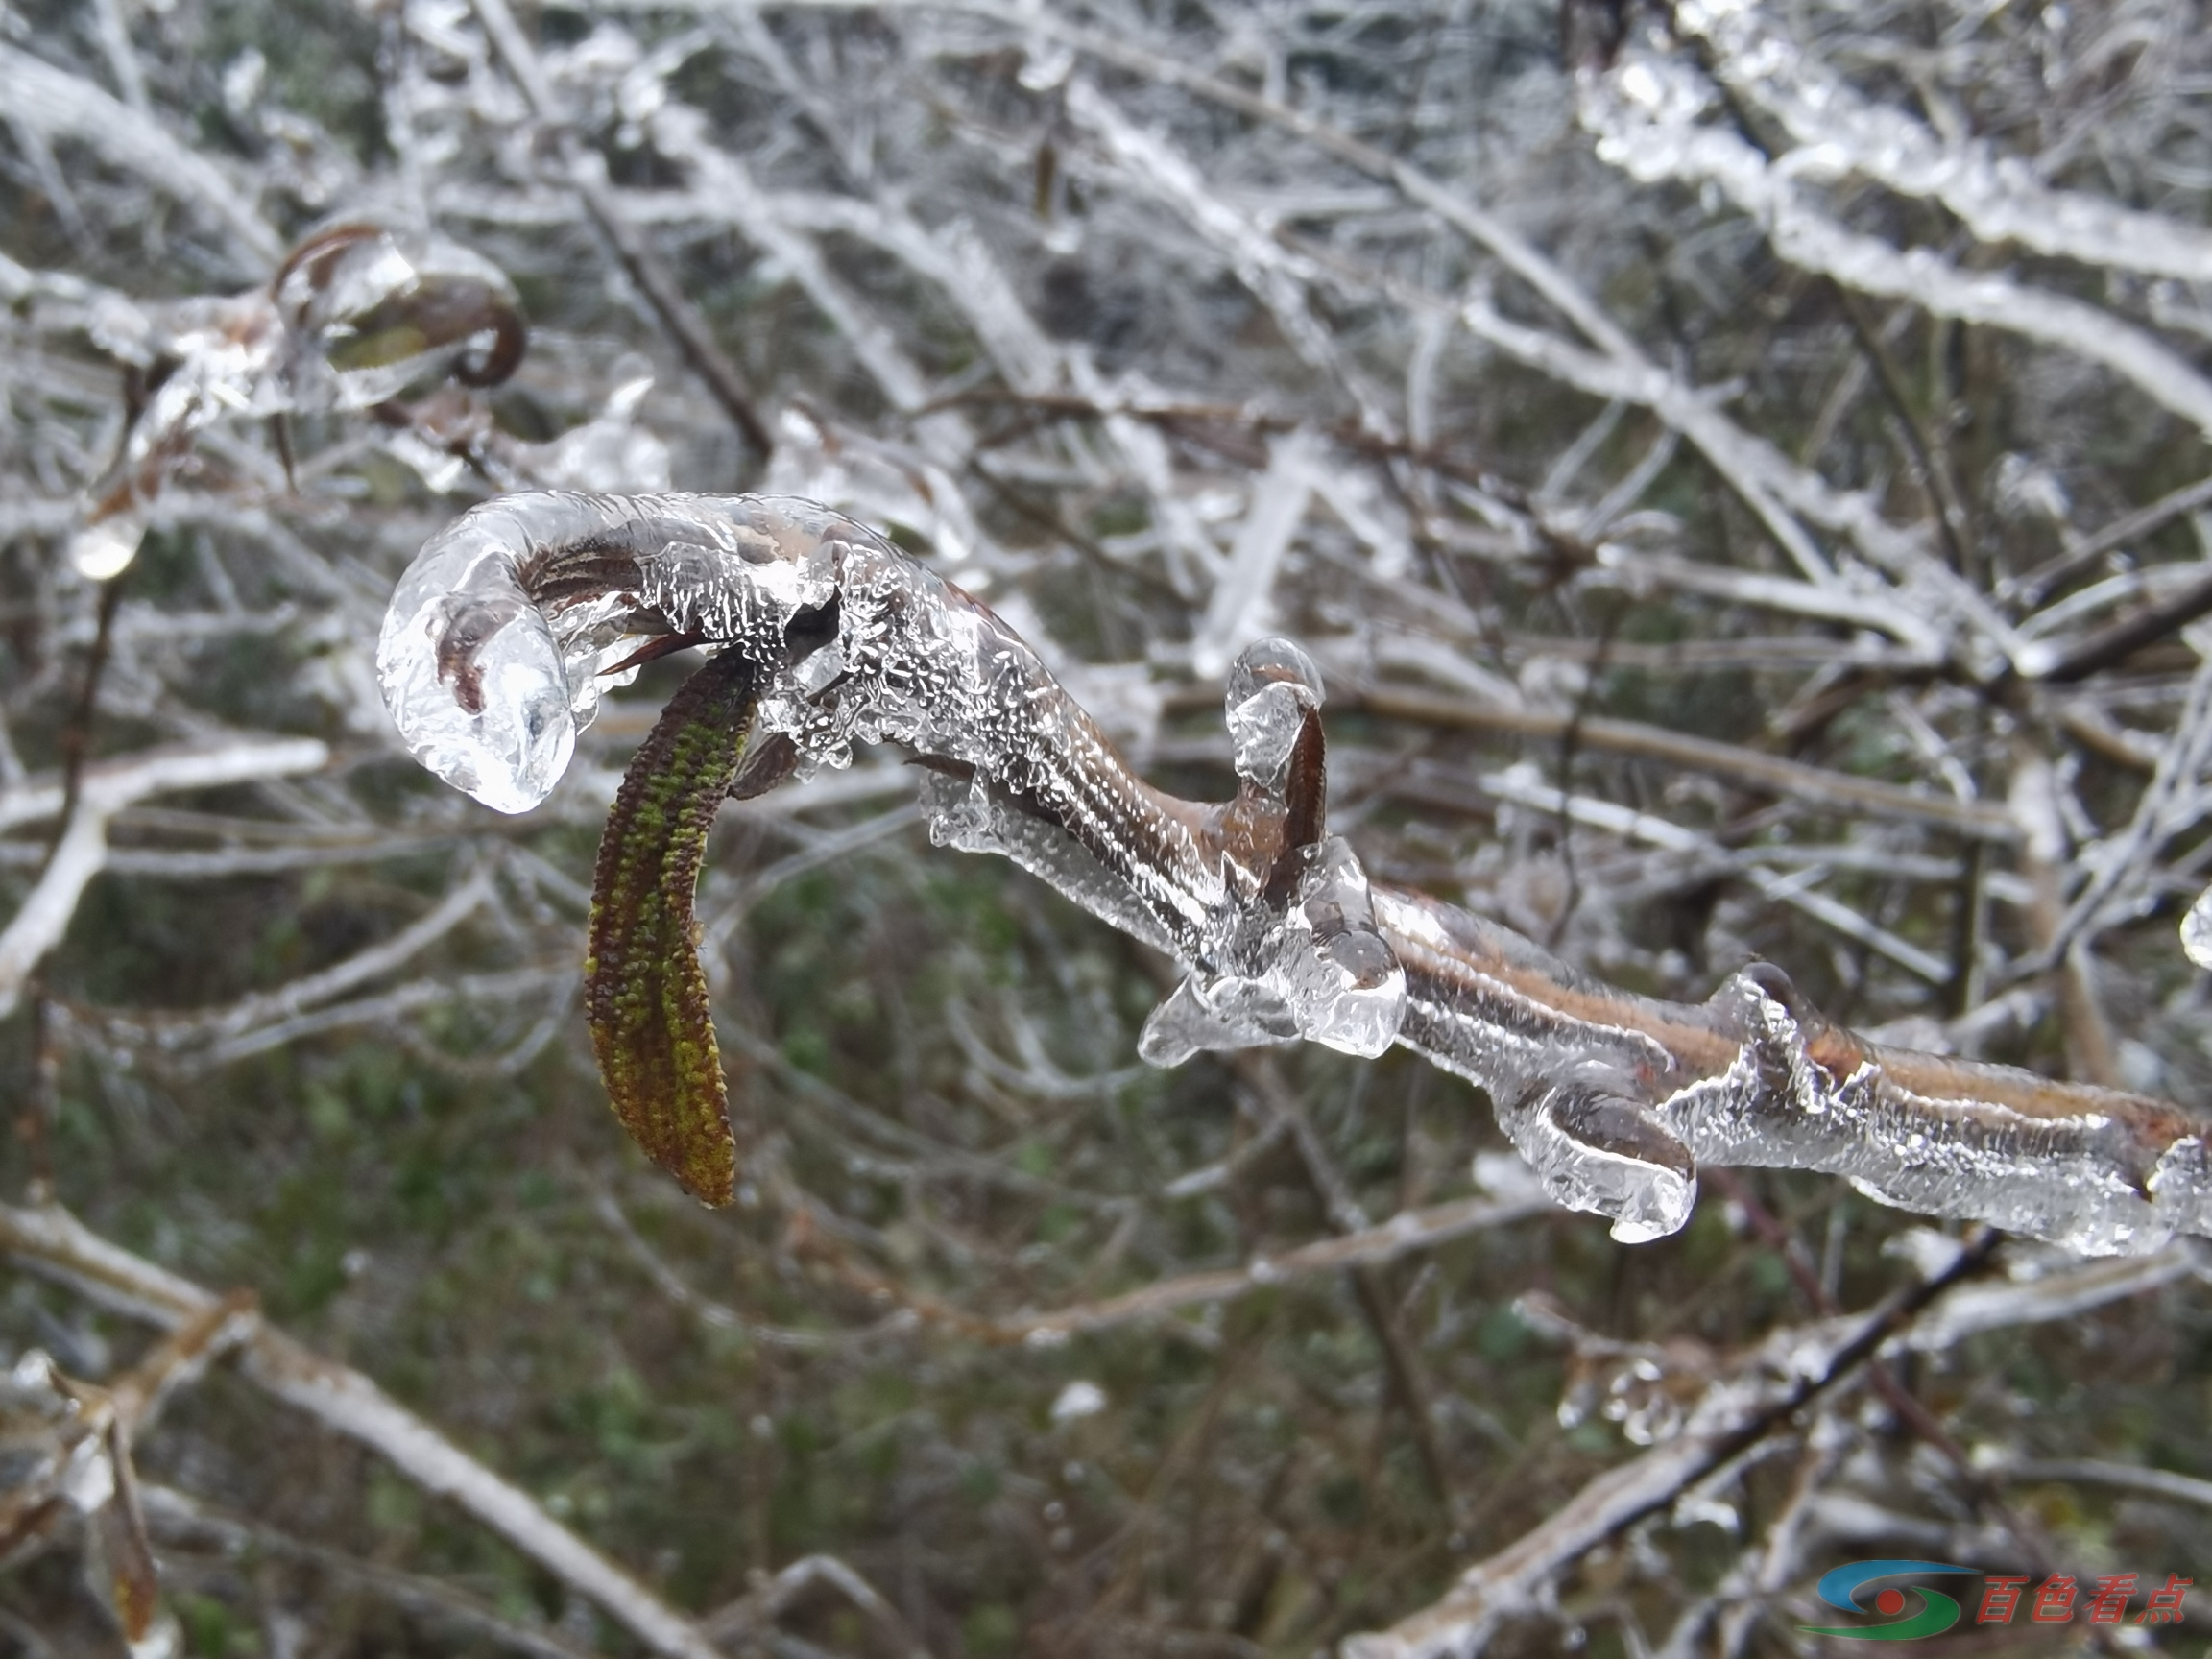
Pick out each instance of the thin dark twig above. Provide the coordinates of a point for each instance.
(685, 324)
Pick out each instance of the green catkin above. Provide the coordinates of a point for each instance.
(645, 992)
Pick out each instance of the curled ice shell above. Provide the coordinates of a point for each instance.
(1596, 1148)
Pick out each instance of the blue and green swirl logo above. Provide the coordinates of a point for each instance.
(1841, 1590)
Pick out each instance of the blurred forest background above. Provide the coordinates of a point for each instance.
(1743, 469)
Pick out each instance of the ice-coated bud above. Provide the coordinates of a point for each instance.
(1318, 969)
(1272, 685)
(378, 308)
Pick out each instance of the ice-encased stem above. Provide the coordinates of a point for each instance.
(492, 656)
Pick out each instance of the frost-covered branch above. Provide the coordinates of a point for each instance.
(54, 104)
(1646, 118)
(1730, 1423)
(1999, 198)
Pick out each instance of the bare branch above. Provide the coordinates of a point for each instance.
(53, 1240)
(83, 847)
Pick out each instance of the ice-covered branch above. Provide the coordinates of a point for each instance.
(54, 1242)
(1646, 117)
(502, 633)
(1738, 1397)
(355, 315)
(53, 104)
(81, 848)
(1998, 198)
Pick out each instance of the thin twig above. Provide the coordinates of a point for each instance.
(685, 324)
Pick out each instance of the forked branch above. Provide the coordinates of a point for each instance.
(505, 629)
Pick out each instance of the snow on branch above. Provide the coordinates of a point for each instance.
(81, 851)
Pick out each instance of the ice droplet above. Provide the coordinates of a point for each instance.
(105, 549)
(1271, 686)
(2196, 930)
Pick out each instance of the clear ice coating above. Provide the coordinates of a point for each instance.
(358, 315)
(1615, 1099)
(501, 635)
(1299, 954)
(494, 646)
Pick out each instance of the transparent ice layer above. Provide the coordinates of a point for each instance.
(1615, 1100)
(493, 654)
(358, 315)
(494, 645)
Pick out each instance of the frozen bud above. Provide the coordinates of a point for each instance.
(381, 311)
(1317, 968)
(1272, 687)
